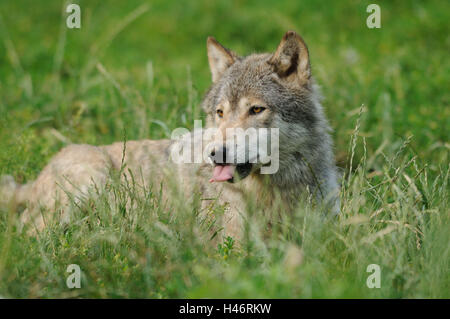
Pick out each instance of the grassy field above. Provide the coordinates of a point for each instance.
(139, 70)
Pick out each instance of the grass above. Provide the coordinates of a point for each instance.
(140, 70)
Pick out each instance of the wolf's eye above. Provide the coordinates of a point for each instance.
(256, 109)
(219, 113)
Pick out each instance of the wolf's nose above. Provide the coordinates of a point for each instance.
(219, 156)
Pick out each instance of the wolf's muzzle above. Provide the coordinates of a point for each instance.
(219, 158)
(219, 155)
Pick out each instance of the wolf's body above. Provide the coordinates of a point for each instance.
(261, 90)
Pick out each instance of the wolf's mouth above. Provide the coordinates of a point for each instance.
(222, 173)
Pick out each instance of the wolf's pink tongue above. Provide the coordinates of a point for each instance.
(222, 173)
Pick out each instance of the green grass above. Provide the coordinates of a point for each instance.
(142, 73)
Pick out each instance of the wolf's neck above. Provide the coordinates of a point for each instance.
(299, 172)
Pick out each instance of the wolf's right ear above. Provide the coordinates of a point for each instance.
(291, 59)
(219, 57)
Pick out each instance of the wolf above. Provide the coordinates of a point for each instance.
(269, 90)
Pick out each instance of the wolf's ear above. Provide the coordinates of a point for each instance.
(219, 57)
(291, 59)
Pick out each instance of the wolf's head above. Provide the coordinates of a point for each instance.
(261, 91)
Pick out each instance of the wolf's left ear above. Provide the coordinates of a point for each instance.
(291, 59)
(219, 57)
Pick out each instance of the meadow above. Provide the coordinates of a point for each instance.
(138, 70)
